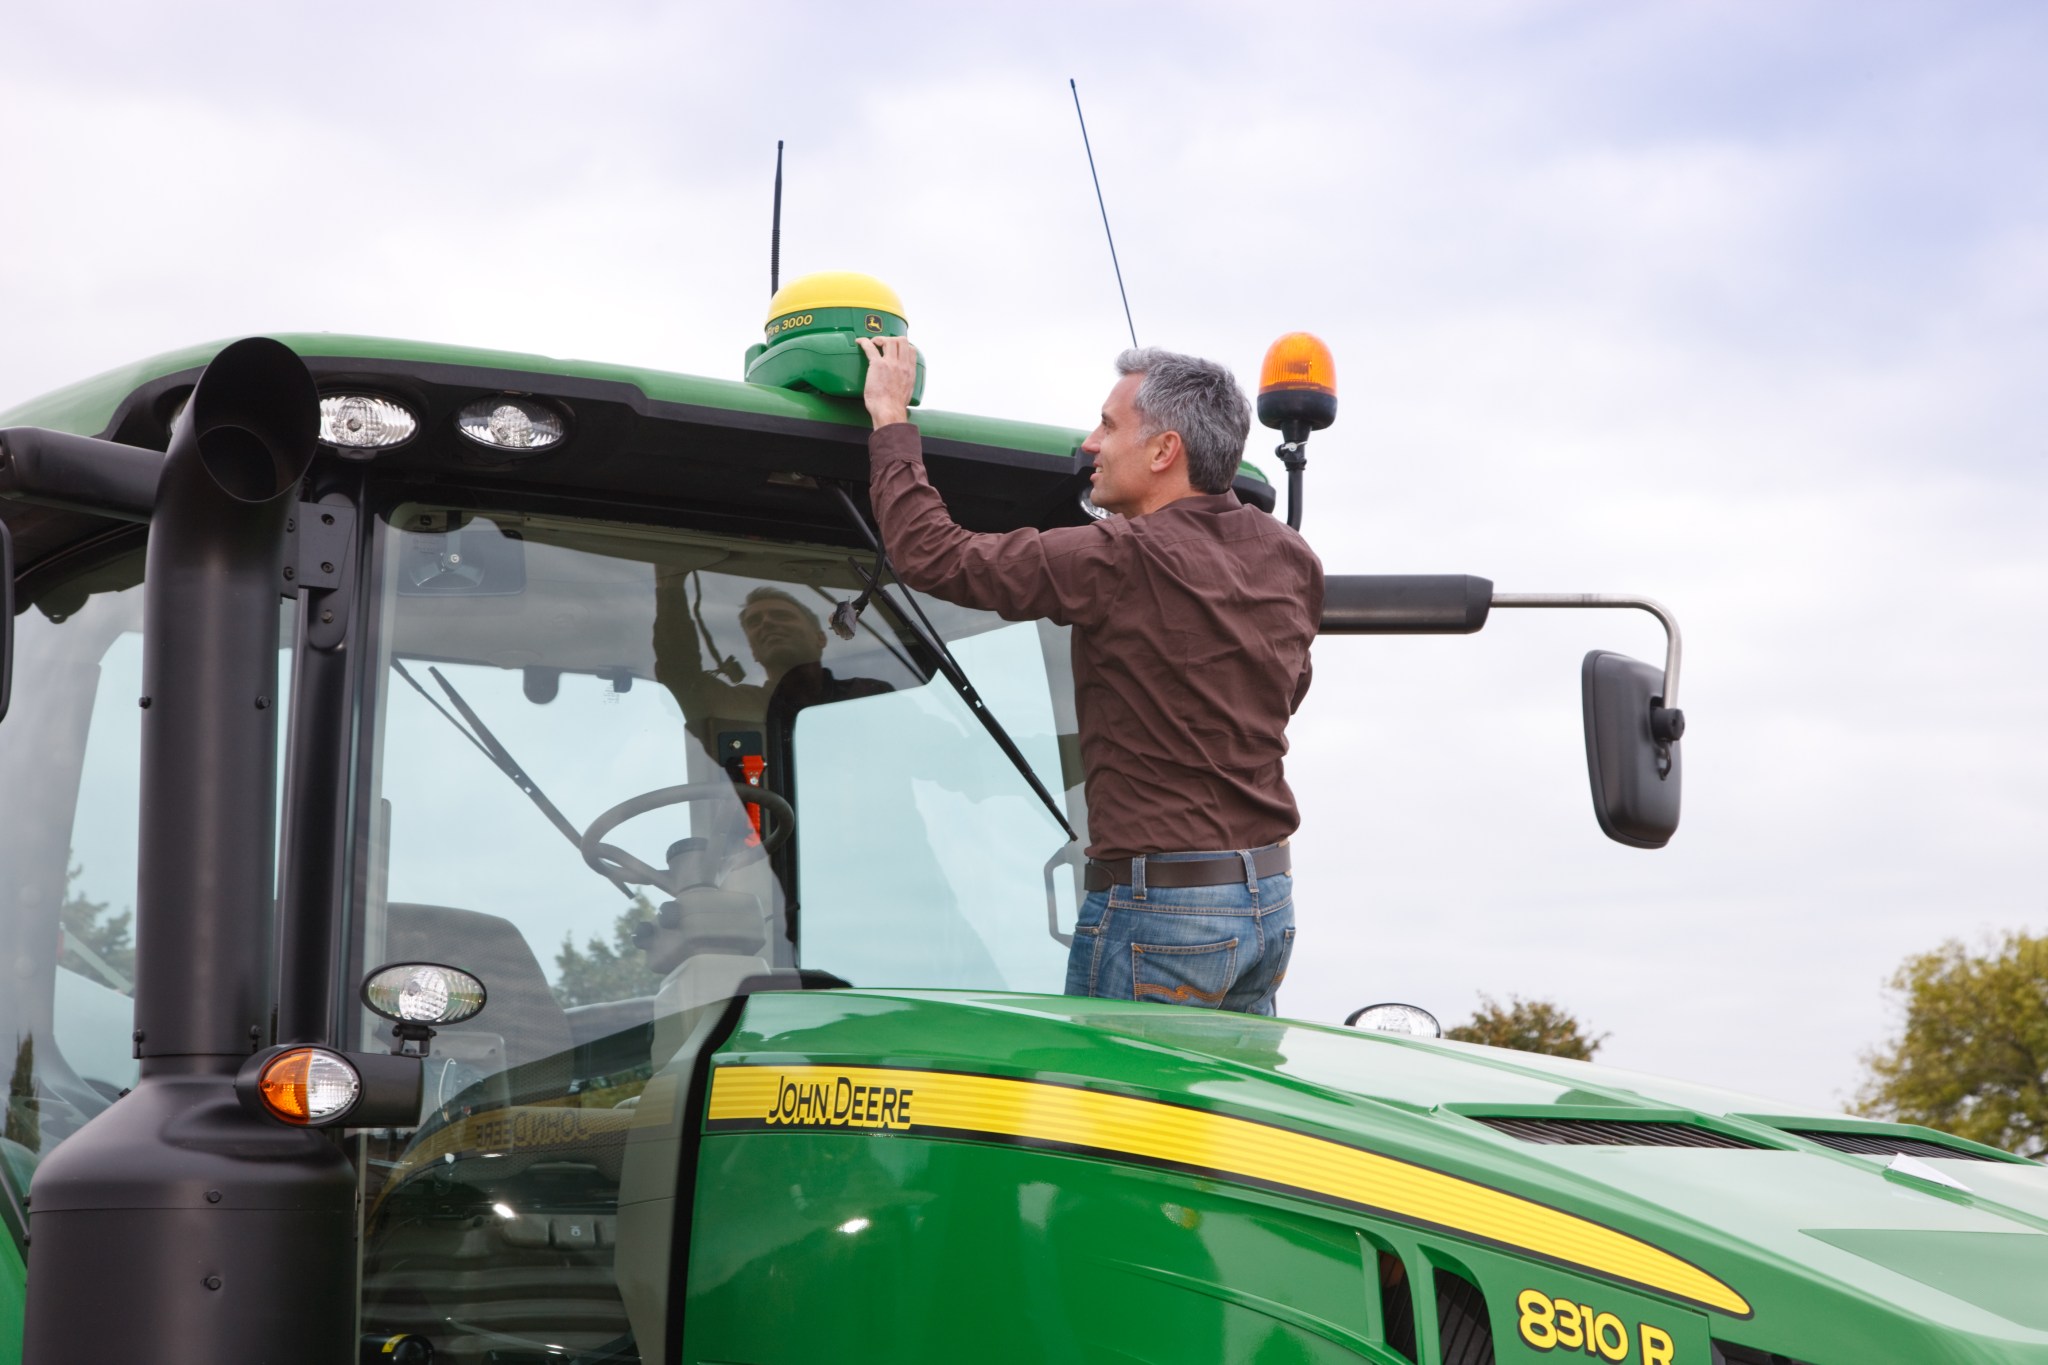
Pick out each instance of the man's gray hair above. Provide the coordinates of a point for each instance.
(768, 592)
(1199, 399)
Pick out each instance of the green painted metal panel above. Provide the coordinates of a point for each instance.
(13, 1298)
(819, 1247)
(2003, 1272)
(963, 1209)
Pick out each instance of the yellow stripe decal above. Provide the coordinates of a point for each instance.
(874, 1099)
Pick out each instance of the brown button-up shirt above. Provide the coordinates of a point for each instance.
(1192, 627)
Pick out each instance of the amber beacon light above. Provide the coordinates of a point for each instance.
(1297, 395)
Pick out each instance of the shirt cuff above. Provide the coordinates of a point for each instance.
(897, 441)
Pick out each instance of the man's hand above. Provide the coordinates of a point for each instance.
(892, 375)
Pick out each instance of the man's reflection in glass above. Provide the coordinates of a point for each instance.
(788, 641)
(785, 638)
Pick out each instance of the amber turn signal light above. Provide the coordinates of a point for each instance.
(1298, 386)
(308, 1085)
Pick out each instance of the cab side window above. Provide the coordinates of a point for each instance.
(70, 810)
(69, 783)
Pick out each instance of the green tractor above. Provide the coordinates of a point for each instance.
(584, 911)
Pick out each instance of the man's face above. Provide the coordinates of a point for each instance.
(781, 634)
(1121, 451)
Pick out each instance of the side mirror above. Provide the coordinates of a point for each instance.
(6, 617)
(1631, 749)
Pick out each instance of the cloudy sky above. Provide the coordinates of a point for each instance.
(1740, 306)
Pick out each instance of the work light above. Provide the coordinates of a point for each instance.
(512, 424)
(1394, 1017)
(423, 993)
(365, 421)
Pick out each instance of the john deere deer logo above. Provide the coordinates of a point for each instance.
(874, 323)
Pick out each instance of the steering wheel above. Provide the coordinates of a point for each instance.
(611, 861)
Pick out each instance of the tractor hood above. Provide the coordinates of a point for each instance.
(1733, 1206)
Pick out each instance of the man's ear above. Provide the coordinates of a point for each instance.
(1168, 451)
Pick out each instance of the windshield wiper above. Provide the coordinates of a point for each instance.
(930, 638)
(502, 759)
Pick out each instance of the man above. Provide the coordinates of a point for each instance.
(1192, 617)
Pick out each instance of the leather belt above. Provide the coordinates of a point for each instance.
(1217, 871)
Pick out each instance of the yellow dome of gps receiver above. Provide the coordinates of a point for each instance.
(834, 289)
(814, 325)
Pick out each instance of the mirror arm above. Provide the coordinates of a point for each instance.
(79, 473)
(1672, 645)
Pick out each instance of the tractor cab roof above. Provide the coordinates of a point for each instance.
(742, 455)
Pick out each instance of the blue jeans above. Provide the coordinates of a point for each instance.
(1213, 947)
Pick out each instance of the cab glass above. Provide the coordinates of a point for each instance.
(531, 674)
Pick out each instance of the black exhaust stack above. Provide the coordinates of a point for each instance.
(178, 1226)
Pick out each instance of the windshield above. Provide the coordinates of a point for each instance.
(597, 664)
(617, 772)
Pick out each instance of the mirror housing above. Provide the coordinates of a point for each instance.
(1405, 604)
(1632, 757)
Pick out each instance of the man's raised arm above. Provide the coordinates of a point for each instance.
(1068, 574)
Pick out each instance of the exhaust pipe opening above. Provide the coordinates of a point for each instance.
(256, 418)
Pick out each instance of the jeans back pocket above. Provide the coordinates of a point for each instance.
(1197, 974)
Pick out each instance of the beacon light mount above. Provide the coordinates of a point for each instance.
(1297, 395)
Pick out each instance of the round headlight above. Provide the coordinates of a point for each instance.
(423, 993)
(1392, 1017)
(363, 421)
(514, 425)
(309, 1086)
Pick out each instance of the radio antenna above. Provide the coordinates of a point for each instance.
(1098, 203)
(775, 229)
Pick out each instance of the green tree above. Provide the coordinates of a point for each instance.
(24, 1121)
(607, 971)
(1973, 1057)
(1528, 1026)
(111, 941)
